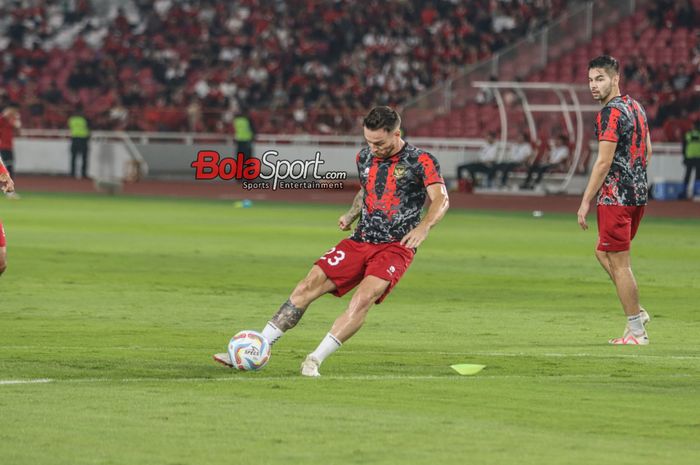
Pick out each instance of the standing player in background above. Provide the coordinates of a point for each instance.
(7, 186)
(395, 177)
(9, 122)
(691, 157)
(79, 142)
(244, 134)
(620, 174)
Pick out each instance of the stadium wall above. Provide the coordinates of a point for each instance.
(170, 158)
(109, 159)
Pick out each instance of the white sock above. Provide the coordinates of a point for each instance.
(272, 333)
(328, 345)
(635, 324)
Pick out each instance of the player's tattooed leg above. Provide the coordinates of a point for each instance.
(287, 316)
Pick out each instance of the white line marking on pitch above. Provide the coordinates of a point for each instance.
(244, 378)
(407, 352)
(527, 354)
(25, 381)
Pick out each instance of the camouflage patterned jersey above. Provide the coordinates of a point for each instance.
(395, 191)
(624, 121)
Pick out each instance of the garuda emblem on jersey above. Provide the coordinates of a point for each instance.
(399, 171)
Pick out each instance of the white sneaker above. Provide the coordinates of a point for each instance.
(310, 367)
(645, 316)
(12, 195)
(630, 339)
(645, 319)
(224, 359)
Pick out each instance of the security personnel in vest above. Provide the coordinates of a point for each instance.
(80, 134)
(691, 155)
(244, 134)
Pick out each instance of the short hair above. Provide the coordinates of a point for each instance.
(382, 118)
(606, 62)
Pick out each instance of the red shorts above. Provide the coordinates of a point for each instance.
(617, 226)
(3, 241)
(350, 261)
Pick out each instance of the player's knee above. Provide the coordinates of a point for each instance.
(364, 299)
(3, 266)
(359, 310)
(303, 290)
(308, 287)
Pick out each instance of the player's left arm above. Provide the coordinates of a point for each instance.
(649, 148)
(439, 203)
(606, 152)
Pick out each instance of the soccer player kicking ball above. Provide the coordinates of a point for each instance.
(395, 177)
(7, 186)
(620, 174)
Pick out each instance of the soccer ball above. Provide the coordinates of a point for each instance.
(249, 350)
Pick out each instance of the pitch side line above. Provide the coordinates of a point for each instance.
(7, 382)
(244, 378)
(408, 352)
(526, 354)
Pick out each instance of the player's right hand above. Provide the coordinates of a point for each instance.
(7, 184)
(581, 214)
(345, 222)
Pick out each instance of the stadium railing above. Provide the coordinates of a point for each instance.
(567, 102)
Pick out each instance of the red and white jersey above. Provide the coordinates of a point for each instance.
(624, 121)
(395, 192)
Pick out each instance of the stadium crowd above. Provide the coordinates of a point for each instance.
(296, 66)
(668, 89)
(188, 65)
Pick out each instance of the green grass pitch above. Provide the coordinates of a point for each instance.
(119, 303)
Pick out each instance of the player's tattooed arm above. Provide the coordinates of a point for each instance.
(356, 206)
(287, 316)
(346, 220)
